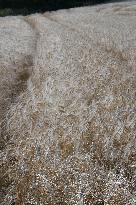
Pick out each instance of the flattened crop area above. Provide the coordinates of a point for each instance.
(67, 107)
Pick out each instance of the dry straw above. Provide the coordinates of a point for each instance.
(67, 107)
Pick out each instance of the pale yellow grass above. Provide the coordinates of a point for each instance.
(67, 107)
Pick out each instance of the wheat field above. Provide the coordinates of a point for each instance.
(67, 107)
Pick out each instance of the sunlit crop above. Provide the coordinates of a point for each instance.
(67, 107)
